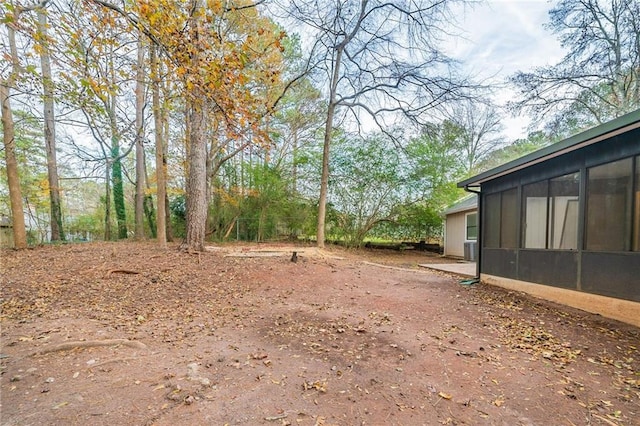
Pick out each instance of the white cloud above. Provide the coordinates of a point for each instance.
(501, 37)
(505, 36)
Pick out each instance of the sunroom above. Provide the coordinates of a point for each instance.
(563, 223)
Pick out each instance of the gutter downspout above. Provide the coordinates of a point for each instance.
(480, 230)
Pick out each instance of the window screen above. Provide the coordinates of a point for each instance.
(609, 206)
(636, 214)
(491, 221)
(535, 205)
(563, 219)
(509, 219)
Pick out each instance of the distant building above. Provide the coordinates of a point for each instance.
(563, 223)
(461, 229)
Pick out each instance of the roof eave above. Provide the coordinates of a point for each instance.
(604, 131)
(460, 210)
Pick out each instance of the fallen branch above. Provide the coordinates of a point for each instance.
(230, 228)
(275, 418)
(67, 346)
(458, 351)
(395, 268)
(609, 422)
(122, 271)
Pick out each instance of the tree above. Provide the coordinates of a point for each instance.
(436, 164)
(299, 117)
(519, 148)
(161, 182)
(57, 230)
(99, 56)
(368, 182)
(599, 77)
(301, 120)
(221, 53)
(266, 200)
(140, 166)
(479, 126)
(6, 84)
(378, 60)
(379, 190)
(31, 161)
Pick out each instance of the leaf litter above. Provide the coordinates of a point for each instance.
(327, 340)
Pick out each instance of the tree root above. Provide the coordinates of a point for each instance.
(67, 346)
(114, 360)
(184, 248)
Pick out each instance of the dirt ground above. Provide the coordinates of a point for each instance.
(128, 334)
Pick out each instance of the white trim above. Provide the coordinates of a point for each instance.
(466, 226)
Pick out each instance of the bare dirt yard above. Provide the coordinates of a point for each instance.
(128, 334)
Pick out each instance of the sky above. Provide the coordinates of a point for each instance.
(501, 37)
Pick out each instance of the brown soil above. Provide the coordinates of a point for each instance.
(127, 334)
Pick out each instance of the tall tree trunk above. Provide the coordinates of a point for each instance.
(13, 178)
(167, 217)
(161, 227)
(294, 154)
(261, 223)
(116, 168)
(165, 122)
(196, 188)
(107, 201)
(167, 209)
(57, 232)
(150, 214)
(140, 169)
(149, 210)
(118, 189)
(197, 175)
(15, 194)
(328, 130)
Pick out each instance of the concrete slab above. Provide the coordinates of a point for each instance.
(266, 250)
(465, 269)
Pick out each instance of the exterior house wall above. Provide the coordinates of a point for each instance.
(460, 223)
(588, 268)
(563, 223)
(454, 234)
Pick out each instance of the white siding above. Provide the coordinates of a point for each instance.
(455, 234)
